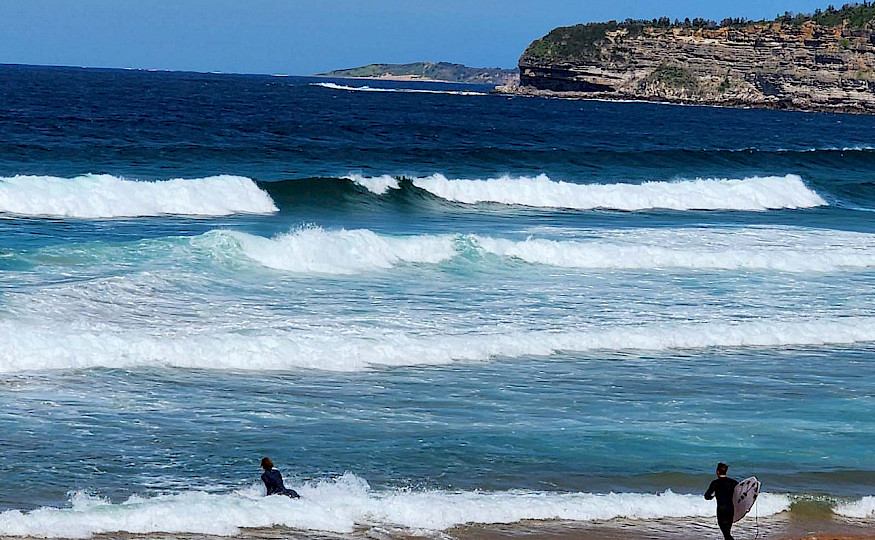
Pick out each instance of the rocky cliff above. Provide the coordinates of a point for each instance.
(796, 64)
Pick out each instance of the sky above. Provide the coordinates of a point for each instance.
(305, 37)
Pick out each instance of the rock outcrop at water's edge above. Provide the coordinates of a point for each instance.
(791, 63)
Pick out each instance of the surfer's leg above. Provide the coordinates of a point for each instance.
(724, 520)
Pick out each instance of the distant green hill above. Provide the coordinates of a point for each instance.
(440, 71)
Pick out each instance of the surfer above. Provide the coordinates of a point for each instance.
(722, 488)
(273, 480)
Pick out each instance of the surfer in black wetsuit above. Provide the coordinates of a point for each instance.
(273, 480)
(723, 488)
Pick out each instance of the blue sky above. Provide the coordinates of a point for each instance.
(305, 37)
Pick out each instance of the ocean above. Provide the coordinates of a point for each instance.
(441, 312)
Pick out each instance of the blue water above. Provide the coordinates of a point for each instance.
(422, 293)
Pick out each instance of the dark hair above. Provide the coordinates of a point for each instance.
(721, 468)
(266, 463)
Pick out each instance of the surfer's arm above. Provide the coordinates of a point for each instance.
(710, 493)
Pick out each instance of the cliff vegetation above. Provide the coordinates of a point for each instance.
(580, 40)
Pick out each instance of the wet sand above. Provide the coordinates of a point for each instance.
(774, 528)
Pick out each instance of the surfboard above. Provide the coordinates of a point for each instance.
(744, 495)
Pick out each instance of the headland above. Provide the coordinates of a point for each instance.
(823, 61)
(429, 71)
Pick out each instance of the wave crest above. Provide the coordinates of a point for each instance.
(863, 508)
(314, 250)
(775, 249)
(95, 196)
(342, 252)
(752, 194)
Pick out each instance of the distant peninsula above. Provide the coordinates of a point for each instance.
(824, 61)
(429, 71)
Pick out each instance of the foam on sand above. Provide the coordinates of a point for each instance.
(344, 504)
(93, 196)
(754, 193)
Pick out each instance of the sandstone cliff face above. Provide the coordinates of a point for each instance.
(807, 66)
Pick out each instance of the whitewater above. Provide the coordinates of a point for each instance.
(341, 505)
(106, 196)
(441, 312)
(755, 193)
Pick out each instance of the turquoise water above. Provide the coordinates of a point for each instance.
(427, 308)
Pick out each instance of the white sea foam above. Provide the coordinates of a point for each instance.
(314, 250)
(106, 196)
(335, 86)
(768, 248)
(30, 347)
(863, 508)
(857, 148)
(344, 504)
(755, 193)
(786, 249)
(378, 185)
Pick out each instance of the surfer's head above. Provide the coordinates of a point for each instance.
(722, 468)
(266, 463)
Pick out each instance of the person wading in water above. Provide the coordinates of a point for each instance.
(273, 480)
(723, 488)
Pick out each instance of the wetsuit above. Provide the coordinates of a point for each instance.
(722, 488)
(273, 481)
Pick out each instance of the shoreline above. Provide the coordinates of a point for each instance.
(780, 527)
(615, 97)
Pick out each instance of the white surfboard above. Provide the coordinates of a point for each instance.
(744, 496)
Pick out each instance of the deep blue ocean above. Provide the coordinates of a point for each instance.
(429, 305)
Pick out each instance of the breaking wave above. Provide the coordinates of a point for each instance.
(771, 249)
(863, 508)
(335, 86)
(344, 504)
(94, 196)
(28, 347)
(314, 250)
(753, 194)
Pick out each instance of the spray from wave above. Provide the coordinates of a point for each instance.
(342, 505)
(335, 86)
(94, 196)
(752, 194)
